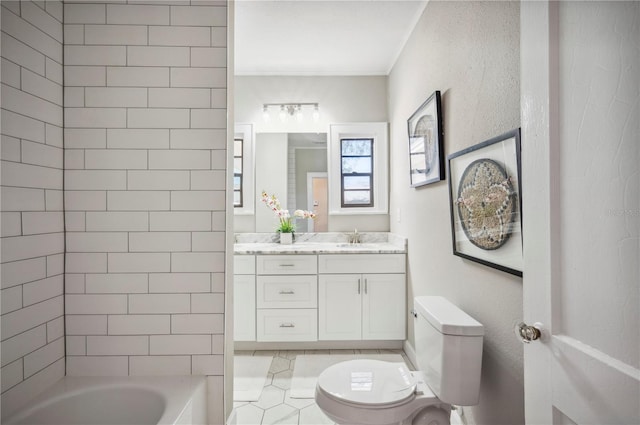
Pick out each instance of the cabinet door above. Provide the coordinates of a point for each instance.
(339, 307)
(244, 307)
(384, 313)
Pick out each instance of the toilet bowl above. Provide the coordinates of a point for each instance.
(371, 392)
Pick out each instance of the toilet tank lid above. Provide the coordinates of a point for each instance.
(446, 317)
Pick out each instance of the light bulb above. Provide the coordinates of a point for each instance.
(316, 114)
(283, 114)
(265, 114)
(299, 114)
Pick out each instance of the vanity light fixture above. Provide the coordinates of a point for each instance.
(287, 110)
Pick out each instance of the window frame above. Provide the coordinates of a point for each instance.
(354, 174)
(245, 132)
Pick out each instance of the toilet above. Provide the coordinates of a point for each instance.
(448, 348)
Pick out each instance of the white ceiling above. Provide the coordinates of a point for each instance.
(321, 37)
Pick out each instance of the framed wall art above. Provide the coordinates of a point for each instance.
(485, 203)
(426, 143)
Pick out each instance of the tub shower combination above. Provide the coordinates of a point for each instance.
(119, 401)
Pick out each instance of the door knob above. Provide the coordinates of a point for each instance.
(528, 333)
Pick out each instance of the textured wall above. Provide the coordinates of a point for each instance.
(470, 52)
(145, 166)
(31, 197)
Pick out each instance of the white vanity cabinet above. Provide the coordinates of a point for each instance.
(361, 297)
(244, 298)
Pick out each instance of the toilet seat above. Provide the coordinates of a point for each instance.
(368, 383)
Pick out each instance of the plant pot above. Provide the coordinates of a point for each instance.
(286, 238)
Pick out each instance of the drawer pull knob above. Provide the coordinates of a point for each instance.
(287, 265)
(287, 292)
(287, 325)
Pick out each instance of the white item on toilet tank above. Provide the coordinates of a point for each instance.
(448, 344)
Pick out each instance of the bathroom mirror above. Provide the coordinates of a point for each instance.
(292, 166)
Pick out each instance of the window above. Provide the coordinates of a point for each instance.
(356, 172)
(237, 172)
(243, 184)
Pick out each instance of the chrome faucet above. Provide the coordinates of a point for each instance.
(354, 237)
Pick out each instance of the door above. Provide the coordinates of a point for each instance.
(244, 307)
(383, 306)
(339, 307)
(318, 201)
(580, 166)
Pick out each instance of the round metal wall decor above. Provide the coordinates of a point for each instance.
(486, 204)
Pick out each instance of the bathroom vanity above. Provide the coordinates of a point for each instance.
(320, 289)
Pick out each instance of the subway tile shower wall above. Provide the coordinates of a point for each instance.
(144, 188)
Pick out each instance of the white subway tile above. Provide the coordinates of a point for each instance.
(159, 365)
(214, 57)
(219, 36)
(198, 139)
(39, 359)
(137, 138)
(26, 104)
(55, 329)
(95, 117)
(10, 73)
(29, 317)
(142, 324)
(42, 222)
(95, 55)
(115, 97)
(200, 200)
(207, 303)
(12, 299)
(117, 221)
(139, 262)
(11, 224)
(210, 180)
(73, 34)
(96, 242)
(179, 98)
(55, 264)
(74, 97)
(40, 290)
(10, 149)
(176, 159)
(218, 220)
(22, 344)
(22, 127)
(84, 13)
(134, 200)
(86, 324)
(137, 76)
(115, 159)
(116, 283)
(74, 221)
(23, 247)
(198, 16)
(85, 138)
(208, 365)
(208, 241)
(23, 55)
(179, 282)
(41, 87)
(26, 175)
(32, 36)
(55, 9)
(197, 323)
(42, 20)
(157, 56)
(53, 135)
(19, 272)
(97, 365)
(54, 71)
(12, 5)
(95, 180)
(158, 118)
(85, 200)
(138, 15)
(159, 241)
(83, 262)
(158, 303)
(119, 35)
(82, 76)
(95, 304)
(158, 180)
(54, 200)
(177, 221)
(76, 345)
(179, 36)
(197, 262)
(180, 344)
(12, 374)
(208, 118)
(74, 283)
(217, 282)
(198, 77)
(24, 199)
(117, 345)
(218, 160)
(218, 98)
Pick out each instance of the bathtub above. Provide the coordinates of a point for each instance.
(118, 401)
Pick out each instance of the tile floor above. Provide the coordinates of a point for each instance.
(275, 406)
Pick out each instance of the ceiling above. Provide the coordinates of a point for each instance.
(321, 37)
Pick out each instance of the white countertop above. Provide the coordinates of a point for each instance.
(318, 248)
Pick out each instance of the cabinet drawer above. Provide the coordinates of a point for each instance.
(362, 263)
(244, 264)
(287, 325)
(287, 264)
(288, 291)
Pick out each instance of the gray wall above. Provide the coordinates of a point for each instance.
(31, 197)
(470, 52)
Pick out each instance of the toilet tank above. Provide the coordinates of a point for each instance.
(448, 344)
